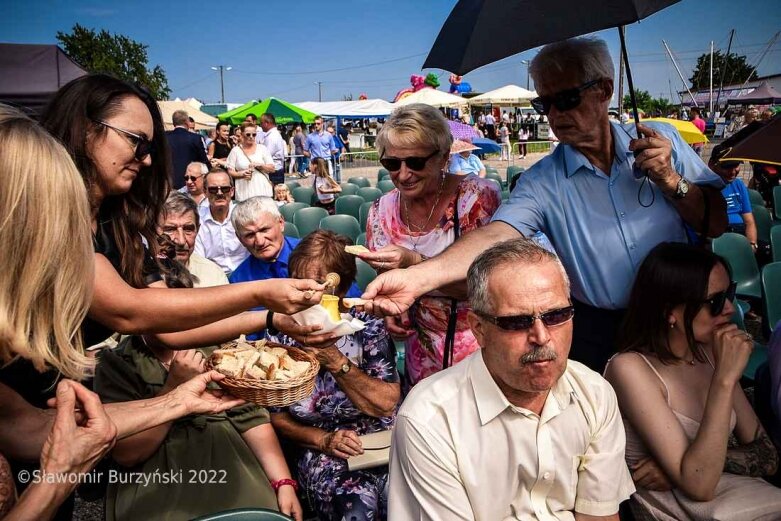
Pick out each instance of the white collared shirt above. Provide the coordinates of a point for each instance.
(462, 451)
(273, 141)
(208, 273)
(218, 242)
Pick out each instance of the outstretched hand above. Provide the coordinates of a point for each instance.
(390, 294)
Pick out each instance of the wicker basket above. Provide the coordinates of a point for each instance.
(272, 393)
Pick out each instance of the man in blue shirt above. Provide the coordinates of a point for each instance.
(739, 212)
(320, 143)
(603, 197)
(260, 228)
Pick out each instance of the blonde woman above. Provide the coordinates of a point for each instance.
(45, 292)
(325, 186)
(250, 164)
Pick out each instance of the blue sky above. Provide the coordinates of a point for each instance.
(281, 48)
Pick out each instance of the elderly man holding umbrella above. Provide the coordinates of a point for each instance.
(604, 197)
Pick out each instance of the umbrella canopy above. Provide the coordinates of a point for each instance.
(476, 32)
(462, 131)
(283, 111)
(690, 133)
(226, 116)
(366, 108)
(433, 97)
(505, 96)
(758, 142)
(762, 95)
(487, 146)
(202, 120)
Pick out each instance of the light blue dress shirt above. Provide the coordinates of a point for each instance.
(470, 165)
(598, 227)
(319, 145)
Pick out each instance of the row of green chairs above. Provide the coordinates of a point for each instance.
(306, 194)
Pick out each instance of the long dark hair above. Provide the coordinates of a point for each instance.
(69, 117)
(672, 274)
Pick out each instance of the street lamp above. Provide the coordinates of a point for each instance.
(222, 84)
(526, 62)
(319, 90)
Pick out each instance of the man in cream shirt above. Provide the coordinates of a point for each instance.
(515, 431)
(180, 221)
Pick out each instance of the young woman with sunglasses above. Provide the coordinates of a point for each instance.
(426, 213)
(250, 164)
(694, 445)
(115, 135)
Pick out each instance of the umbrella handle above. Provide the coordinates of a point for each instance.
(629, 82)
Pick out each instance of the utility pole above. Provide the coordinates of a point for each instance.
(723, 68)
(526, 63)
(221, 68)
(319, 90)
(680, 75)
(710, 108)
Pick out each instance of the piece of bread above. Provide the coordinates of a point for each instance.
(267, 359)
(229, 366)
(299, 367)
(255, 372)
(352, 302)
(272, 369)
(356, 249)
(278, 351)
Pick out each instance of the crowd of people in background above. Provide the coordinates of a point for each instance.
(554, 378)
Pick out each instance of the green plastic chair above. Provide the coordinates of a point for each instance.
(361, 182)
(365, 274)
(303, 194)
(775, 242)
(346, 225)
(777, 202)
(348, 189)
(740, 256)
(771, 286)
(496, 177)
(755, 197)
(245, 514)
(369, 193)
(495, 181)
(741, 307)
(292, 184)
(764, 222)
(505, 195)
(363, 213)
(511, 171)
(491, 169)
(757, 358)
(289, 209)
(349, 205)
(307, 220)
(383, 173)
(291, 230)
(361, 239)
(386, 185)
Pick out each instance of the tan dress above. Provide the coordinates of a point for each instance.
(737, 498)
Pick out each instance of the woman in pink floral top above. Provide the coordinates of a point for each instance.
(416, 221)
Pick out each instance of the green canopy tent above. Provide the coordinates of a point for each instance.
(283, 111)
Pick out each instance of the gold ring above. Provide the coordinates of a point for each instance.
(308, 294)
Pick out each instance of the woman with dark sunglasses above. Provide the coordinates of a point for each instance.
(250, 164)
(694, 445)
(429, 209)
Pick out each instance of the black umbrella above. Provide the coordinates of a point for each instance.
(757, 142)
(478, 32)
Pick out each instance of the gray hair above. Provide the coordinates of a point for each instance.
(518, 252)
(202, 166)
(249, 210)
(178, 203)
(180, 117)
(585, 58)
(416, 125)
(216, 171)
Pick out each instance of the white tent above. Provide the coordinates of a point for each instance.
(202, 120)
(433, 97)
(367, 108)
(504, 96)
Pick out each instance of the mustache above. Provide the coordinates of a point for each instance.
(539, 354)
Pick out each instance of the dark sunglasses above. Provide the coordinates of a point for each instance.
(563, 101)
(192, 178)
(393, 164)
(250, 135)
(143, 146)
(219, 189)
(717, 301)
(554, 317)
(729, 165)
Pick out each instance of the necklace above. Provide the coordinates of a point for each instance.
(410, 224)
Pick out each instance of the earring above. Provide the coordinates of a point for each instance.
(672, 325)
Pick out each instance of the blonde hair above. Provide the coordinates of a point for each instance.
(283, 189)
(416, 125)
(47, 256)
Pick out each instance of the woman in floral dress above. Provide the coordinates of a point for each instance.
(356, 393)
(417, 221)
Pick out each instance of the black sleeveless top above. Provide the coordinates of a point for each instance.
(221, 151)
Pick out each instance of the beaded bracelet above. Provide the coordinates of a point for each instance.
(279, 483)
